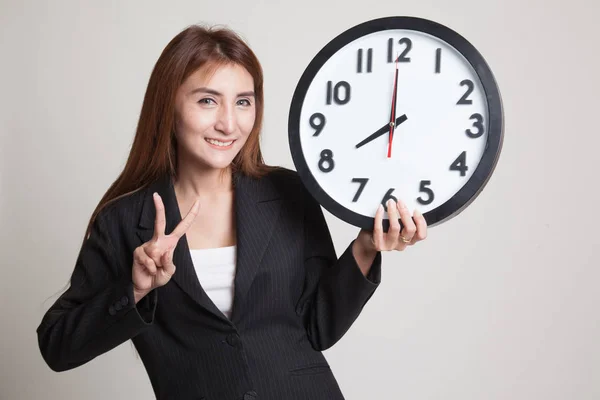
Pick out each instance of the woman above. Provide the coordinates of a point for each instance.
(238, 299)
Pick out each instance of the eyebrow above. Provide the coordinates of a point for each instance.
(216, 93)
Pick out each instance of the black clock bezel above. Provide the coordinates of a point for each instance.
(478, 180)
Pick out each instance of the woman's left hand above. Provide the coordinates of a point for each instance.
(413, 231)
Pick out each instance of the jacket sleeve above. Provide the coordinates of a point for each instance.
(98, 311)
(335, 290)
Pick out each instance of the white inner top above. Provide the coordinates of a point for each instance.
(216, 271)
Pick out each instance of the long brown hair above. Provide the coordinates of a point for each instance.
(154, 149)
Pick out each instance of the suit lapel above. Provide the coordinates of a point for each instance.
(257, 206)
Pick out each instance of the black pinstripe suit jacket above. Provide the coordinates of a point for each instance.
(293, 298)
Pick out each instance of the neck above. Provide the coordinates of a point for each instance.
(196, 182)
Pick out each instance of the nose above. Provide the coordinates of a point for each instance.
(226, 120)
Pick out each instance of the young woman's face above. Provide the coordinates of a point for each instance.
(215, 115)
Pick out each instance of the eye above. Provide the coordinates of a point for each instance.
(244, 102)
(206, 100)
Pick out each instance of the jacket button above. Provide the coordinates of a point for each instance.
(118, 306)
(124, 300)
(111, 310)
(251, 395)
(233, 340)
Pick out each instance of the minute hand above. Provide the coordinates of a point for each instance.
(382, 131)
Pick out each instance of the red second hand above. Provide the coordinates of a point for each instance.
(393, 119)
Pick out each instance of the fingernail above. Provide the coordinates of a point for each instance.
(380, 208)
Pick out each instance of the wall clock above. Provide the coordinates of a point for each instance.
(396, 107)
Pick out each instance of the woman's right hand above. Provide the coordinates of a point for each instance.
(153, 261)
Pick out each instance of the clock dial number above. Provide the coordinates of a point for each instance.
(424, 189)
(402, 57)
(464, 99)
(388, 195)
(326, 163)
(317, 122)
(460, 164)
(363, 183)
(438, 60)
(477, 124)
(333, 93)
(359, 61)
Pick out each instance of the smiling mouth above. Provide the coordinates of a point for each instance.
(219, 143)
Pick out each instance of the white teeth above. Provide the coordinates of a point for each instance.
(218, 143)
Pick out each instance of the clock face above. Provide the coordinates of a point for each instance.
(446, 111)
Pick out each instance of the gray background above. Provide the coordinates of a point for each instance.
(500, 302)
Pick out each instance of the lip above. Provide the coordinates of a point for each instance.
(214, 146)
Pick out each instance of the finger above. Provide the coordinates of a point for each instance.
(145, 260)
(160, 223)
(394, 231)
(421, 224)
(409, 225)
(185, 223)
(167, 262)
(378, 228)
(155, 250)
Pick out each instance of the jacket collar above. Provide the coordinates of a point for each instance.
(257, 203)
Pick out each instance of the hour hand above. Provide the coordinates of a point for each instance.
(383, 130)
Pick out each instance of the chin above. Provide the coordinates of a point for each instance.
(217, 162)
